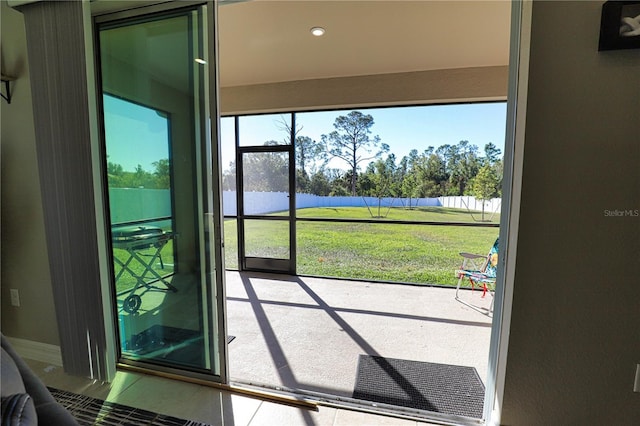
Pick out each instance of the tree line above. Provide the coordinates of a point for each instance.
(448, 170)
(159, 178)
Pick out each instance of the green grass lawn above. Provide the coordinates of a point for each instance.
(420, 214)
(419, 254)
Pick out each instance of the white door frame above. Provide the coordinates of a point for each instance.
(512, 184)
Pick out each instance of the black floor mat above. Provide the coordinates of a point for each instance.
(442, 388)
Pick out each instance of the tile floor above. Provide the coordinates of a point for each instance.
(204, 404)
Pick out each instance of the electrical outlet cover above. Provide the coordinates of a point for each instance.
(15, 297)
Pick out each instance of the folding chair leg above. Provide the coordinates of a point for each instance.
(459, 284)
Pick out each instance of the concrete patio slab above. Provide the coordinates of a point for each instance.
(307, 333)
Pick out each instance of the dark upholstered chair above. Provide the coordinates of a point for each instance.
(25, 399)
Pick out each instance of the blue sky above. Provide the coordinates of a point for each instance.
(402, 128)
(407, 128)
(134, 134)
(139, 135)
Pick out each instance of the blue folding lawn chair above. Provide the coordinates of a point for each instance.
(481, 275)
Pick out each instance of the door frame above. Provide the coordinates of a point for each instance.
(520, 38)
(211, 219)
(272, 265)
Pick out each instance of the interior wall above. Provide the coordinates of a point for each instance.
(575, 339)
(25, 264)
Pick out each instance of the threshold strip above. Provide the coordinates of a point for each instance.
(312, 400)
(263, 394)
(346, 403)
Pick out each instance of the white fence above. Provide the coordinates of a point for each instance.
(271, 202)
(131, 204)
(309, 201)
(471, 203)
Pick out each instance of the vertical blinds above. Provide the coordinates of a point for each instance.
(56, 53)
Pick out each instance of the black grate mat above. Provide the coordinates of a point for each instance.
(442, 388)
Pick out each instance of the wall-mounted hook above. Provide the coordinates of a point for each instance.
(7, 87)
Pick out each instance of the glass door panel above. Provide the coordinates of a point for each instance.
(265, 172)
(265, 218)
(159, 167)
(266, 238)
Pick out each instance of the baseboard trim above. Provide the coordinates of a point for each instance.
(37, 351)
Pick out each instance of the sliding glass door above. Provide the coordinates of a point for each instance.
(162, 189)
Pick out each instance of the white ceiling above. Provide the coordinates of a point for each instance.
(264, 41)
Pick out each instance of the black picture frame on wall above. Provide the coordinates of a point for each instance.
(620, 25)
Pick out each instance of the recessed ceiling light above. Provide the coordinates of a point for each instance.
(317, 31)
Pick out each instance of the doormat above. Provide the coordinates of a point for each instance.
(169, 344)
(92, 411)
(442, 388)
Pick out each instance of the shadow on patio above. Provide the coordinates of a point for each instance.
(308, 333)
